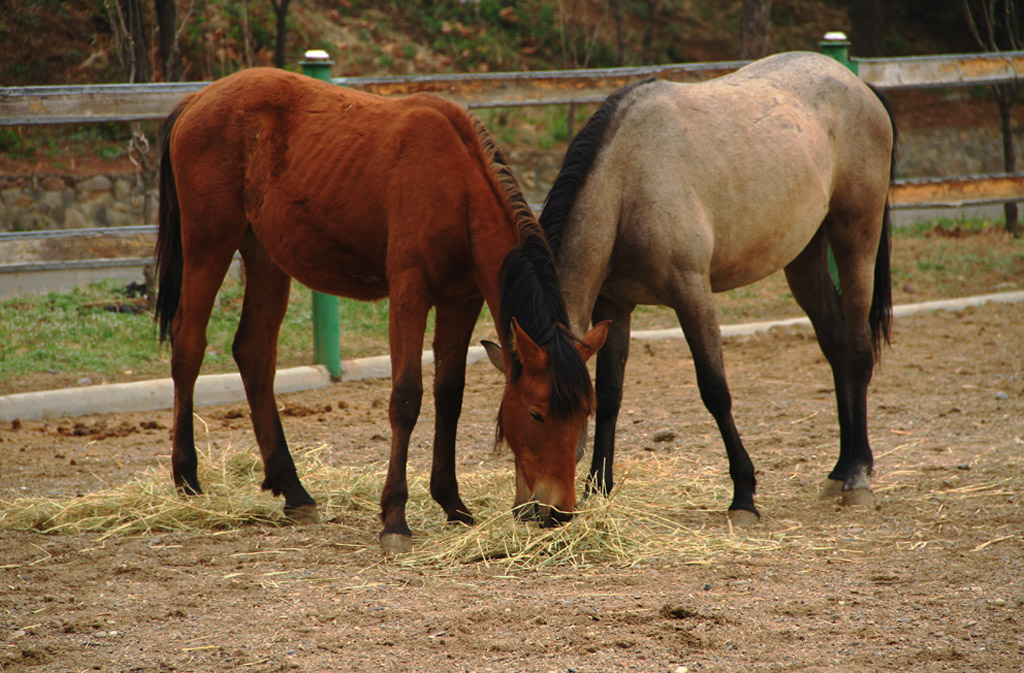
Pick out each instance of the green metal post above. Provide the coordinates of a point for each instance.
(835, 45)
(326, 334)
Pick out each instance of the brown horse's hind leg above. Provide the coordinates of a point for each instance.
(841, 326)
(611, 368)
(696, 314)
(255, 352)
(200, 281)
(454, 329)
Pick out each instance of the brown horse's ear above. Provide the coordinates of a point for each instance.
(494, 355)
(593, 340)
(530, 354)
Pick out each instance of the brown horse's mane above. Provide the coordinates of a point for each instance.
(531, 294)
(579, 159)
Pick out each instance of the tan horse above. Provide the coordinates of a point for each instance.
(366, 197)
(674, 191)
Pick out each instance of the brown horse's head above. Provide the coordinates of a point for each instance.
(541, 421)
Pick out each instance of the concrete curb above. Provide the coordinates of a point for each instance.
(211, 390)
(227, 388)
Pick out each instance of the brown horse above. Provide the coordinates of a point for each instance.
(366, 197)
(671, 192)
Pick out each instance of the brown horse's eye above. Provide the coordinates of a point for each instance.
(535, 415)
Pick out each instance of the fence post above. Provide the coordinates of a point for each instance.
(835, 45)
(326, 334)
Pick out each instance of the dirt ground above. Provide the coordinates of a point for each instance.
(930, 579)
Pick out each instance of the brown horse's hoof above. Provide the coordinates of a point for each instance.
(858, 496)
(742, 518)
(395, 543)
(831, 488)
(303, 514)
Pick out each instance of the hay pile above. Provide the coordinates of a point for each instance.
(657, 511)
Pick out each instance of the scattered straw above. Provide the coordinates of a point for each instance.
(657, 511)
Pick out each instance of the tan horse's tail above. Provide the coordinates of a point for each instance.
(880, 316)
(170, 259)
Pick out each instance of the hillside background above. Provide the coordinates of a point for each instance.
(58, 42)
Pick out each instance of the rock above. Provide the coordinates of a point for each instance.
(1002, 396)
(75, 219)
(666, 435)
(53, 184)
(97, 183)
(53, 201)
(10, 195)
(122, 189)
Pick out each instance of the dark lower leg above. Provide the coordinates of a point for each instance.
(255, 352)
(611, 366)
(451, 342)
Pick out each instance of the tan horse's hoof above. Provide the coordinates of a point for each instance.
(395, 543)
(742, 518)
(303, 514)
(858, 496)
(830, 488)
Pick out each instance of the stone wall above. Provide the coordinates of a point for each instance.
(36, 202)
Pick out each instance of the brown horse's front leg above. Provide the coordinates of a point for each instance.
(451, 342)
(404, 409)
(406, 325)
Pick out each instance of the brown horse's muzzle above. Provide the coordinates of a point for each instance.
(547, 516)
(534, 506)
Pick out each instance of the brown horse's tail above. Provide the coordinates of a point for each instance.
(880, 316)
(170, 258)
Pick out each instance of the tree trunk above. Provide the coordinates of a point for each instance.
(654, 8)
(755, 24)
(280, 44)
(866, 27)
(620, 31)
(167, 30)
(134, 48)
(1006, 96)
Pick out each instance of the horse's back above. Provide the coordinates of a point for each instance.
(735, 175)
(318, 172)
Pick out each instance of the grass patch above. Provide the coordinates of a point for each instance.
(90, 332)
(53, 340)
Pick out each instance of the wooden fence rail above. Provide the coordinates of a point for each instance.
(135, 102)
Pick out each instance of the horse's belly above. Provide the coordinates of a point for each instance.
(323, 262)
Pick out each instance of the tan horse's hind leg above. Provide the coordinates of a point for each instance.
(844, 335)
(255, 352)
